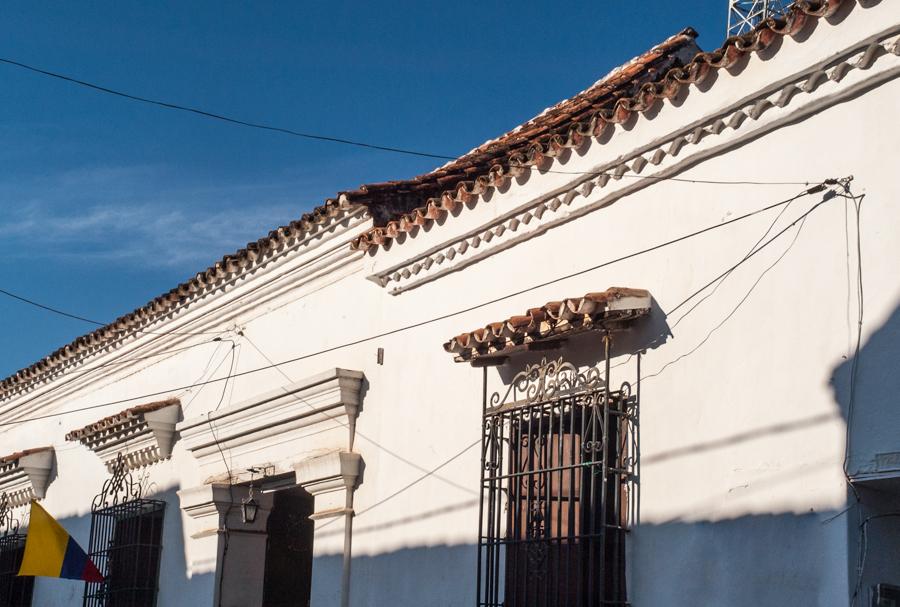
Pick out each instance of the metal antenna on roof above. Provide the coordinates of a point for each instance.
(744, 15)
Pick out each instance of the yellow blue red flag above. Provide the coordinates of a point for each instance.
(51, 552)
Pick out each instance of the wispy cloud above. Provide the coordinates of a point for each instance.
(131, 216)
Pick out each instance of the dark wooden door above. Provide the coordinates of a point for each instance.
(289, 550)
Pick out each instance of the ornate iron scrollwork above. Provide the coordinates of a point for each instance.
(9, 525)
(548, 380)
(117, 489)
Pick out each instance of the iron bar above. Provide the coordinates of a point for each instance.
(542, 460)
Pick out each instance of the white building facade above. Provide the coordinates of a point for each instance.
(642, 350)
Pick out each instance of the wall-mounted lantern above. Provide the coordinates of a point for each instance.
(249, 508)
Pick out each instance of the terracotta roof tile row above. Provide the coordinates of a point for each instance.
(118, 418)
(553, 319)
(399, 207)
(635, 87)
(12, 457)
(229, 266)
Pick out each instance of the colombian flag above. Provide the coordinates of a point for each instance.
(51, 552)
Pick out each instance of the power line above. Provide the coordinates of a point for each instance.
(410, 484)
(801, 220)
(341, 423)
(75, 375)
(66, 314)
(339, 140)
(740, 303)
(815, 189)
(221, 117)
(47, 308)
(753, 250)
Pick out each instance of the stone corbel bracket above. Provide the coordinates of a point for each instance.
(330, 479)
(25, 475)
(274, 423)
(143, 435)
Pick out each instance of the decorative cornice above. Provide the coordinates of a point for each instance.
(336, 474)
(863, 66)
(279, 416)
(142, 435)
(24, 476)
(570, 123)
(298, 235)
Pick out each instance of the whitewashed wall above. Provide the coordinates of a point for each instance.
(742, 439)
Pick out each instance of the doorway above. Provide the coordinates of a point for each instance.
(289, 548)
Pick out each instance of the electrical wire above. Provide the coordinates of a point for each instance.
(734, 310)
(76, 375)
(206, 370)
(343, 424)
(98, 323)
(409, 485)
(221, 117)
(755, 249)
(864, 551)
(724, 278)
(340, 140)
(815, 189)
(101, 324)
(212, 431)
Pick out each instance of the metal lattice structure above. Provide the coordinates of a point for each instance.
(558, 458)
(744, 15)
(125, 544)
(14, 591)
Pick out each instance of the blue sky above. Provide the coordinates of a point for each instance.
(106, 203)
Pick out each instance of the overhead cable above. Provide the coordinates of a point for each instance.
(332, 139)
(815, 189)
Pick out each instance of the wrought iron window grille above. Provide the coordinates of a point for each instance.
(559, 456)
(125, 543)
(14, 591)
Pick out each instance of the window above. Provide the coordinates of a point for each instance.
(14, 591)
(125, 544)
(557, 457)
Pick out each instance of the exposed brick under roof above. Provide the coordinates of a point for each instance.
(112, 420)
(594, 311)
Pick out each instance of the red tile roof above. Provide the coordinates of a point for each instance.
(122, 416)
(230, 266)
(595, 311)
(12, 457)
(403, 206)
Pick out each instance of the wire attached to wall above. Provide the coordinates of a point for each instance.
(814, 189)
(212, 430)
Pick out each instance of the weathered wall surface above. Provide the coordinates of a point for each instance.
(743, 401)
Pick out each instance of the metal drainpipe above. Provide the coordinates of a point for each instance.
(348, 537)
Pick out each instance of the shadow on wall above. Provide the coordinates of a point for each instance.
(175, 588)
(874, 442)
(874, 454)
(436, 576)
(782, 559)
(777, 559)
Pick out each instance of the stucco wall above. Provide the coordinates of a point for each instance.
(743, 403)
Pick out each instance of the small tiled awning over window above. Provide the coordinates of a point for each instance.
(24, 475)
(613, 309)
(141, 435)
